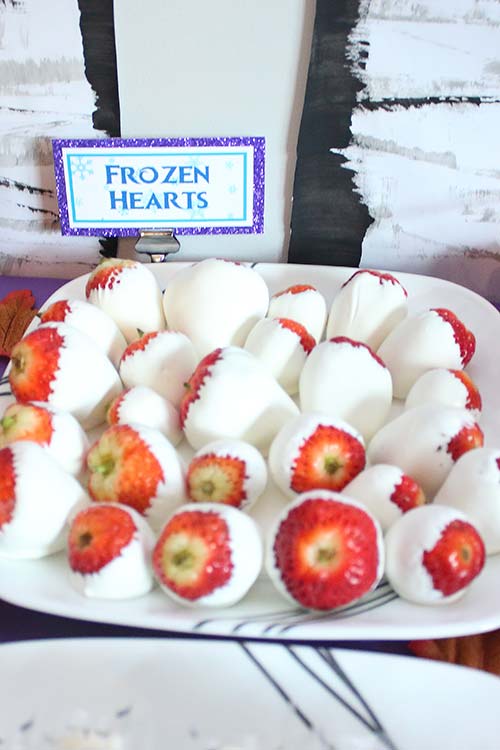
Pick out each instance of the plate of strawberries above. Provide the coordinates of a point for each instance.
(255, 450)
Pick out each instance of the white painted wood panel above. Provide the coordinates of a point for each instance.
(430, 173)
(43, 94)
(190, 68)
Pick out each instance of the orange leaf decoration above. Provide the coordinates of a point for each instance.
(16, 313)
(478, 651)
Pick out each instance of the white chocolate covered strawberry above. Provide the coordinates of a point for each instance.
(386, 491)
(232, 395)
(302, 303)
(56, 431)
(92, 321)
(446, 387)
(215, 303)
(315, 451)
(346, 379)
(227, 471)
(129, 293)
(431, 339)
(136, 466)
(282, 345)
(109, 552)
(367, 307)
(58, 365)
(142, 405)
(425, 442)
(433, 553)
(36, 499)
(473, 487)
(208, 555)
(325, 551)
(162, 360)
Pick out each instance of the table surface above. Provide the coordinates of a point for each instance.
(18, 623)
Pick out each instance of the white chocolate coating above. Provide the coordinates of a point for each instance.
(85, 381)
(44, 497)
(307, 307)
(255, 466)
(280, 350)
(215, 303)
(128, 575)
(286, 445)
(143, 405)
(473, 487)
(416, 532)
(165, 364)
(439, 386)
(416, 441)
(133, 300)
(419, 343)
(367, 308)
(98, 326)
(246, 556)
(239, 399)
(373, 488)
(69, 443)
(347, 381)
(270, 558)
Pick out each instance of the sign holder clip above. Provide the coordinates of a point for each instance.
(158, 245)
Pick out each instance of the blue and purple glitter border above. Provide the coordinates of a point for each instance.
(257, 142)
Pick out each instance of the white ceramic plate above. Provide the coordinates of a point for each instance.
(43, 585)
(126, 694)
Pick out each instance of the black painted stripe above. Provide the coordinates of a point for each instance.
(329, 658)
(329, 220)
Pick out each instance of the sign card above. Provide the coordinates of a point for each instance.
(118, 187)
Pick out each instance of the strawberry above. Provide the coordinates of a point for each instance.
(328, 459)
(407, 494)
(161, 360)
(58, 364)
(196, 381)
(26, 422)
(307, 341)
(97, 536)
(192, 556)
(474, 402)
(56, 312)
(123, 469)
(456, 558)
(463, 337)
(137, 466)
(217, 479)
(36, 498)
(326, 551)
(129, 293)
(295, 289)
(35, 363)
(139, 345)
(301, 303)
(469, 437)
(90, 320)
(382, 277)
(7, 486)
(107, 274)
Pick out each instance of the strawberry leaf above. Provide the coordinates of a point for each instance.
(16, 313)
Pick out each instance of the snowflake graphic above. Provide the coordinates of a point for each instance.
(81, 167)
(232, 189)
(195, 213)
